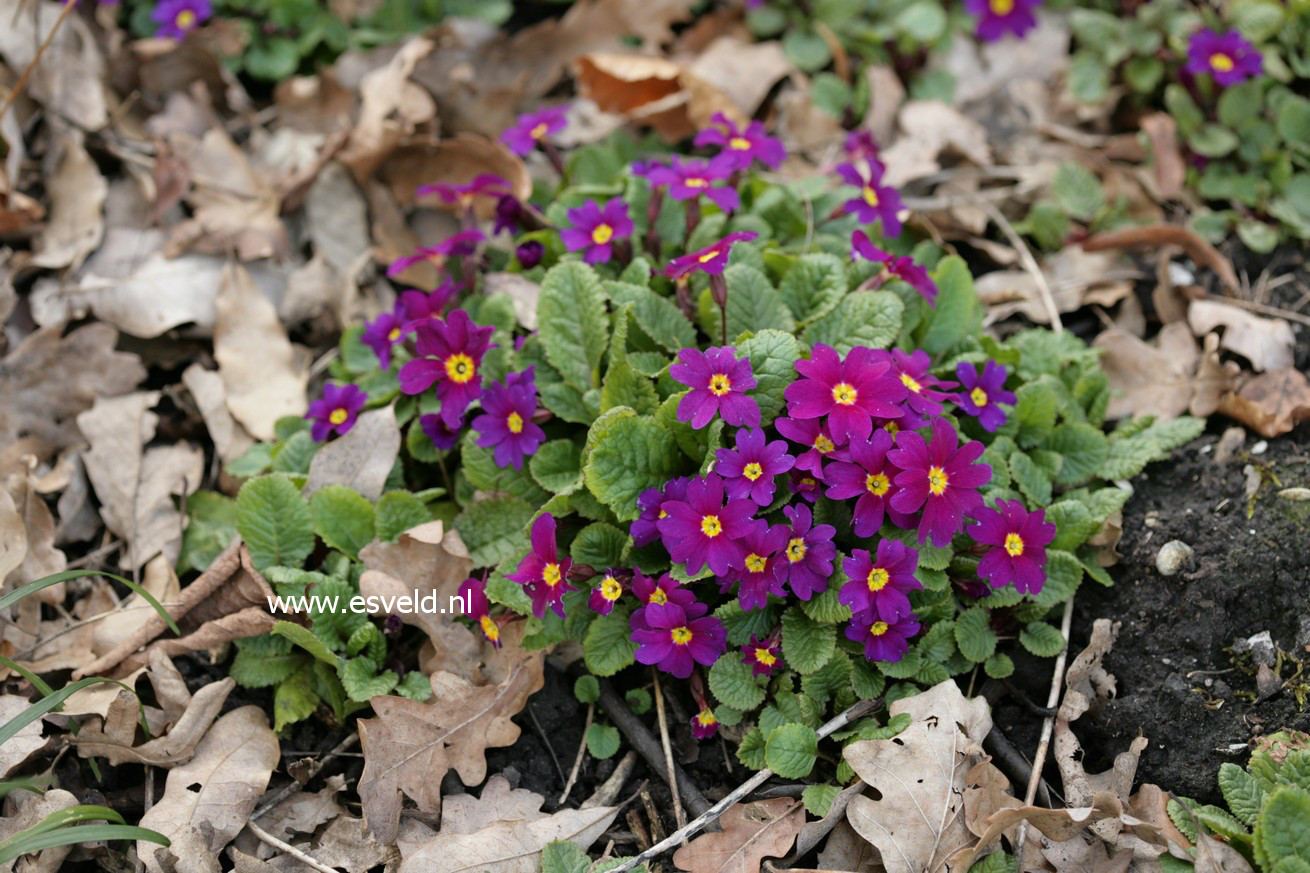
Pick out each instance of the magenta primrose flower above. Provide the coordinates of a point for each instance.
(443, 436)
(804, 485)
(1019, 539)
(806, 563)
(176, 18)
(532, 128)
(676, 639)
(1228, 57)
(867, 476)
(739, 148)
(748, 470)
(606, 594)
(762, 656)
(718, 381)
(464, 195)
(650, 508)
(981, 392)
(875, 201)
(335, 411)
(451, 353)
(902, 268)
(665, 589)
(595, 228)
(849, 392)
(881, 583)
(688, 178)
(860, 145)
(542, 573)
(703, 724)
(704, 529)
(473, 594)
(711, 260)
(884, 640)
(940, 476)
(426, 305)
(996, 18)
(457, 245)
(813, 434)
(926, 392)
(382, 333)
(506, 423)
(758, 576)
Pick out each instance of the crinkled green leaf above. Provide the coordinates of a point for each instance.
(1031, 479)
(557, 466)
(294, 699)
(773, 355)
(608, 647)
(599, 546)
(480, 467)
(397, 512)
(343, 518)
(1042, 639)
(1242, 792)
(791, 751)
(814, 286)
(633, 454)
(806, 644)
(818, 799)
(957, 314)
(494, 529)
(572, 323)
(274, 521)
(659, 317)
(869, 318)
(731, 683)
(974, 634)
(1084, 448)
(362, 681)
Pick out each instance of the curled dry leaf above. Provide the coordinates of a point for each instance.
(1267, 343)
(77, 193)
(1157, 236)
(751, 832)
(230, 439)
(69, 81)
(454, 161)
(1166, 379)
(361, 459)
(1170, 171)
(208, 800)
(982, 69)
(918, 820)
(652, 91)
(31, 522)
(23, 744)
(391, 108)
(1076, 279)
(1270, 404)
(304, 811)
(929, 128)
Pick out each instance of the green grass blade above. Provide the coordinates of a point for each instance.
(51, 702)
(13, 848)
(34, 784)
(54, 579)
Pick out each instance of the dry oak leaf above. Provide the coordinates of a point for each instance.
(1167, 379)
(31, 520)
(362, 459)
(410, 746)
(920, 775)
(1267, 343)
(33, 809)
(1270, 404)
(391, 107)
(304, 811)
(751, 832)
(23, 744)
(77, 193)
(653, 91)
(70, 79)
(929, 128)
(208, 800)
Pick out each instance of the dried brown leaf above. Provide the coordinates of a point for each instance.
(930, 128)
(1157, 236)
(23, 744)
(1076, 279)
(454, 161)
(744, 72)
(751, 832)
(33, 809)
(337, 218)
(361, 459)
(652, 91)
(1270, 404)
(1267, 343)
(77, 193)
(230, 439)
(498, 802)
(391, 108)
(1170, 171)
(846, 850)
(304, 811)
(1166, 379)
(70, 79)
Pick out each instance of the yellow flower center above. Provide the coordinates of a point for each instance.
(338, 416)
(739, 144)
(711, 526)
(720, 384)
(658, 596)
(878, 579)
(551, 575)
(602, 234)
(663, 514)
(460, 368)
(680, 636)
(870, 195)
(393, 335)
(1002, 7)
(877, 484)
(489, 628)
(756, 563)
(1221, 63)
(752, 471)
(844, 393)
(514, 422)
(539, 131)
(705, 718)
(878, 628)
(796, 550)
(909, 382)
(892, 428)
(709, 256)
(978, 396)
(610, 588)
(186, 19)
(765, 657)
(823, 445)
(808, 481)
(1013, 545)
(937, 480)
(696, 182)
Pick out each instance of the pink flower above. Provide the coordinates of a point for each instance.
(532, 128)
(902, 268)
(676, 639)
(542, 573)
(875, 201)
(940, 477)
(739, 148)
(595, 229)
(849, 392)
(868, 477)
(718, 381)
(703, 529)
(606, 594)
(711, 260)
(1019, 539)
(884, 640)
(881, 583)
(451, 355)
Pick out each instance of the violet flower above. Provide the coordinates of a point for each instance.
(806, 563)
(595, 228)
(996, 18)
(336, 410)
(531, 129)
(718, 381)
(758, 576)
(902, 268)
(711, 260)
(506, 423)
(981, 392)
(762, 656)
(689, 179)
(749, 469)
(473, 594)
(868, 477)
(739, 148)
(883, 640)
(875, 201)
(451, 353)
(1019, 539)
(1228, 57)
(941, 477)
(176, 18)
(675, 639)
(542, 573)
(606, 594)
(883, 582)
(704, 529)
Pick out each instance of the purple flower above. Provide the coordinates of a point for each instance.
(606, 594)
(676, 639)
(1020, 539)
(451, 355)
(443, 436)
(483, 185)
(650, 507)
(703, 724)
(861, 146)
(902, 268)
(996, 18)
(473, 594)
(531, 128)
(530, 253)
(812, 433)
(881, 583)
(749, 470)
(925, 396)
(804, 485)
(509, 215)
(981, 392)
(688, 179)
(1228, 57)
(875, 201)
(718, 383)
(762, 656)
(738, 148)
(868, 476)
(336, 410)
(849, 392)
(883, 640)
(541, 572)
(711, 260)
(808, 554)
(758, 576)
(666, 589)
(939, 476)
(425, 306)
(595, 229)
(703, 529)
(382, 333)
(456, 245)
(506, 423)
(177, 18)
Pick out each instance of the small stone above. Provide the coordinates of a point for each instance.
(1303, 634)
(1172, 557)
(1260, 448)
(1229, 445)
(1260, 646)
(1266, 682)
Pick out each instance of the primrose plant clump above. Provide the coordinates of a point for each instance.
(746, 432)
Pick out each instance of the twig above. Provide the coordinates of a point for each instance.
(678, 815)
(582, 753)
(266, 837)
(1262, 308)
(610, 788)
(295, 785)
(700, 822)
(36, 59)
(1048, 726)
(1026, 258)
(1012, 761)
(546, 740)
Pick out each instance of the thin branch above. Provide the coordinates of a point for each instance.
(582, 753)
(266, 837)
(295, 785)
(21, 84)
(680, 817)
(1026, 258)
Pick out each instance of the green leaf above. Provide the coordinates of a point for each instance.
(211, 525)
(753, 305)
(1077, 190)
(494, 529)
(1293, 119)
(1064, 572)
(1089, 78)
(294, 699)
(996, 862)
(867, 681)
(806, 644)
(806, 49)
(1144, 74)
(869, 318)
(342, 518)
(254, 670)
(818, 799)
(923, 22)
(814, 286)
(1257, 236)
(659, 317)
(1042, 639)
(974, 634)
(632, 455)
(1283, 829)
(397, 512)
(731, 683)
(1073, 524)
(998, 666)
(480, 467)
(599, 546)
(608, 646)
(958, 313)
(557, 466)
(563, 856)
(274, 521)
(572, 323)
(295, 455)
(304, 638)
(1084, 448)
(825, 607)
(791, 751)
(586, 689)
(1213, 141)
(1031, 479)
(363, 682)
(751, 750)
(1242, 792)
(602, 741)
(773, 355)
